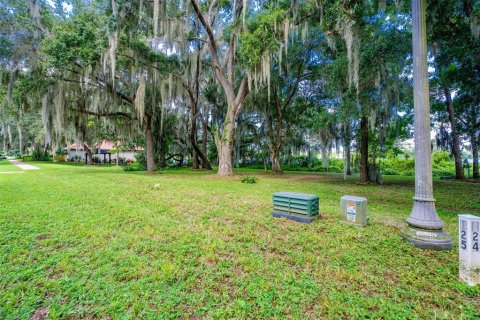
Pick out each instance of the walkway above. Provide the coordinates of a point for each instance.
(23, 166)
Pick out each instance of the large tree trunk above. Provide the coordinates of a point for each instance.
(226, 78)
(225, 147)
(195, 161)
(224, 158)
(474, 142)
(364, 150)
(275, 157)
(455, 138)
(89, 154)
(151, 166)
(324, 152)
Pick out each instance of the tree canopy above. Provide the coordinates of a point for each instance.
(230, 83)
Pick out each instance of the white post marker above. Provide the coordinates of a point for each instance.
(469, 248)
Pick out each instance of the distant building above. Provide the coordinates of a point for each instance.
(103, 151)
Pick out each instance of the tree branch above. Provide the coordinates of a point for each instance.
(104, 114)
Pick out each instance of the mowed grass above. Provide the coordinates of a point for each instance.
(81, 242)
(6, 167)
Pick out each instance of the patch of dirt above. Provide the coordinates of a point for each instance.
(43, 237)
(39, 314)
(391, 223)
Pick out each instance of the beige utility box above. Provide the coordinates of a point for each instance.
(353, 210)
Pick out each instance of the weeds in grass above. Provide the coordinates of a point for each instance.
(86, 242)
(250, 179)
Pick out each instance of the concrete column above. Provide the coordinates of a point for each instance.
(424, 225)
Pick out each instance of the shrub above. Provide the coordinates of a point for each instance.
(390, 172)
(59, 152)
(442, 164)
(141, 159)
(14, 153)
(132, 167)
(250, 179)
(440, 157)
(39, 155)
(59, 158)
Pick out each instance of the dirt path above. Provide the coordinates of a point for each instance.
(23, 166)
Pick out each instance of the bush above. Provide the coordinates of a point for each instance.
(14, 153)
(141, 159)
(390, 172)
(442, 165)
(59, 158)
(249, 179)
(134, 166)
(60, 151)
(39, 155)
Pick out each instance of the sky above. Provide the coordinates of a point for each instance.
(66, 7)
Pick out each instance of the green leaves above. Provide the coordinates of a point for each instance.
(76, 41)
(144, 51)
(264, 34)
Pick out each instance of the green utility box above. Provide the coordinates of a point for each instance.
(299, 207)
(353, 210)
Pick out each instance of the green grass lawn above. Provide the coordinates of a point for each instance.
(97, 242)
(6, 167)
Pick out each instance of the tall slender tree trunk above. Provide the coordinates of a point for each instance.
(193, 139)
(474, 142)
(20, 138)
(237, 144)
(10, 139)
(4, 138)
(275, 141)
(348, 170)
(364, 150)
(348, 139)
(455, 138)
(205, 138)
(151, 166)
(197, 152)
(163, 151)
